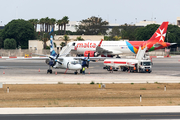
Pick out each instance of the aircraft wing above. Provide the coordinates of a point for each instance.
(101, 50)
(90, 58)
(33, 58)
(29, 58)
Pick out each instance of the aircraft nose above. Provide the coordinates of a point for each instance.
(79, 66)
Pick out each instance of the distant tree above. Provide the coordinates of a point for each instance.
(116, 37)
(52, 24)
(93, 26)
(47, 47)
(54, 44)
(115, 31)
(79, 38)
(1, 42)
(42, 22)
(145, 33)
(34, 22)
(21, 31)
(128, 32)
(46, 37)
(9, 43)
(115, 34)
(60, 24)
(62, 44)
(107, 38)
(173, 34)
(47, 23)
(66, 38)
(65, 21)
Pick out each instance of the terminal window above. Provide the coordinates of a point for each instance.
(178, 22)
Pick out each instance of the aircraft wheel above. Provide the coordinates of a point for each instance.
(49, 71)
(75, 73)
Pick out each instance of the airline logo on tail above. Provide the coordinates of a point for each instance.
(161, 34)
(52, 52)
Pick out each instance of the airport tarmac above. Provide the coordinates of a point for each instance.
(165, 70)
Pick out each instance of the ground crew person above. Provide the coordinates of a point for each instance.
(134, 68)
(111, 70)
(83, 70)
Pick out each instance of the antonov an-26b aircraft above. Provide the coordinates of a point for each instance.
(110, 48)
(61, 61)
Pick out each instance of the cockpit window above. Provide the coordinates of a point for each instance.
(75, 62)
(146, 63)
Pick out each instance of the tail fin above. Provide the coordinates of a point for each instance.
(52, 51)
(157, 38)
(159, 35)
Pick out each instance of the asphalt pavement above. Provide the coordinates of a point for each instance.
(109, 116)
(165, 70)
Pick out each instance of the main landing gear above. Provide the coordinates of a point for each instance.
(76, 72)
(49, 71)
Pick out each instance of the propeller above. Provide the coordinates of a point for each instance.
(88, 60)
(55, 60)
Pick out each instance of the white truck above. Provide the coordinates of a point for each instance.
(139, 64)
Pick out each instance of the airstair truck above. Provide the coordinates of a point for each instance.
(139, 64)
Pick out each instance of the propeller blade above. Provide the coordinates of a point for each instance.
(88, 54)
(88, 60)
(57, 56)
(59, 62)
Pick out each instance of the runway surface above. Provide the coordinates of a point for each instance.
(110, 116)
(165, 70)
(91, 113)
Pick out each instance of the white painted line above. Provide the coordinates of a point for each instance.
(76, 110)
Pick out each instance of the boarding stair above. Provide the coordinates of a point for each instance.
(141, 53)
(66, 50)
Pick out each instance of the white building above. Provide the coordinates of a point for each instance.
(145, 23)
(71, 26)
(178, 21)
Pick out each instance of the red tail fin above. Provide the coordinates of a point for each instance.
(159, 35)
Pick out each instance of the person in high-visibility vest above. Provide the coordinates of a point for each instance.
(83, 70)
(111, 69)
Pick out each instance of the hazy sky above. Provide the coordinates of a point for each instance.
(114, 11)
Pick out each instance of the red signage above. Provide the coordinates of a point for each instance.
(86, 45)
